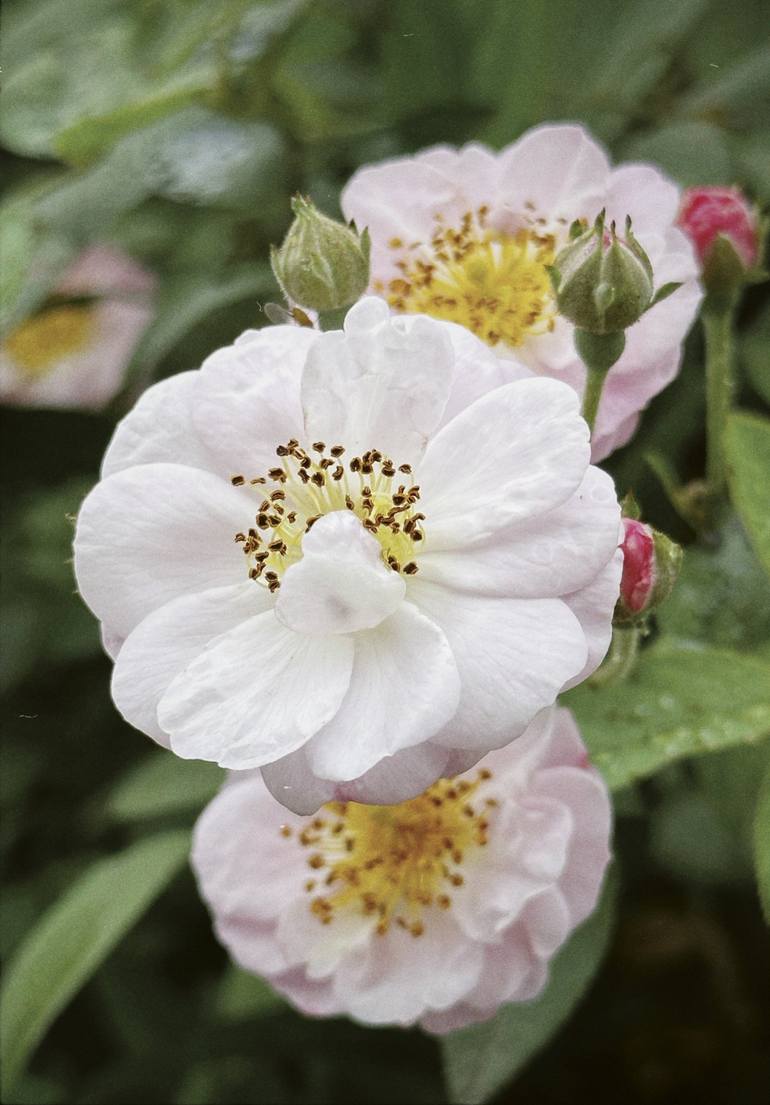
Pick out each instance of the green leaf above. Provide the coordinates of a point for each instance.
(74, 936)
(163, 784)
(241, 996)
(762, 845)
(747, 445)
(186, 301)
(479, 1060)
(86, 139)
(693, 153)
(722, 595)
(681, 700)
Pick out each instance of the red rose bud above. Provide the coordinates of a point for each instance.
(651, 563)
(723, 227)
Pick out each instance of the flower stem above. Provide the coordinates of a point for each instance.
(717, 326)
(591, 396)
(621, 658)
(598, 352)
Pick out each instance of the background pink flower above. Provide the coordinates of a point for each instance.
(75, 350)
(467, 234)
(435, 911)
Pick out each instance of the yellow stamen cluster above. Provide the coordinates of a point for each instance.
(392, 863)
(490, 282)
(37, 344)
(309, 484)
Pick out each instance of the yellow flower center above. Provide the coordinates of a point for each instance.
(37, 344)
(490, 282)
(391, 863)
(307, 485)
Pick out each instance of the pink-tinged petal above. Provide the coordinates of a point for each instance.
(399, 777)
(152, 533)
(382, 384)
(265, 874)
(398, 201)
(159, 429)
(646, 195)
(516, 453)
(394, 979)
(341, 584)
(242, 863)
(167, 640)
(111, 642)
(593, 606)
(256, 693)
(545, 557)
(513, 656)
(248, 398)
(555, 171)
(403, 689)
(585, 795)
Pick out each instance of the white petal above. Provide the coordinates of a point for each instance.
(159, 429)
(166, 641)
(255, 694)
(381, 384)
(515, 453)
(477, 370)
(547, 556)
(341, 584)
(593, 606)
(151, 533)
(248, 398)
(293, 784)
(513, 655)
(559, 170)
(403, 689)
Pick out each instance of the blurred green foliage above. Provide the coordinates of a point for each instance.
(178, 129)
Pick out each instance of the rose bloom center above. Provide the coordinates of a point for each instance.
(37, 344)
(394, 863)
(310, 483)
(491, 282)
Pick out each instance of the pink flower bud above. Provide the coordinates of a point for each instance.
(638, 579)
(651, 563)
(711, 212)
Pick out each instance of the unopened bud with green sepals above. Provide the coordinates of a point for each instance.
(603, 283)
(322, 264)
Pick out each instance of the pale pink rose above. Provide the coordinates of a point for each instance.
(466, 234)
(75, 350)
(435, 911)
(393, 619)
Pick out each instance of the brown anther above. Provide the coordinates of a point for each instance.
(318, 479)
(337, 450)
(237, 481)
(277, 474)
(443, 901)
(285, 830)
(315, 861)
(240, 537)
(319, 446)
(410, 568)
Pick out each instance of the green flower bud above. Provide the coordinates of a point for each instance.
(603, 283)
(322, 264)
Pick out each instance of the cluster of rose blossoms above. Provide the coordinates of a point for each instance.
(357, 568)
